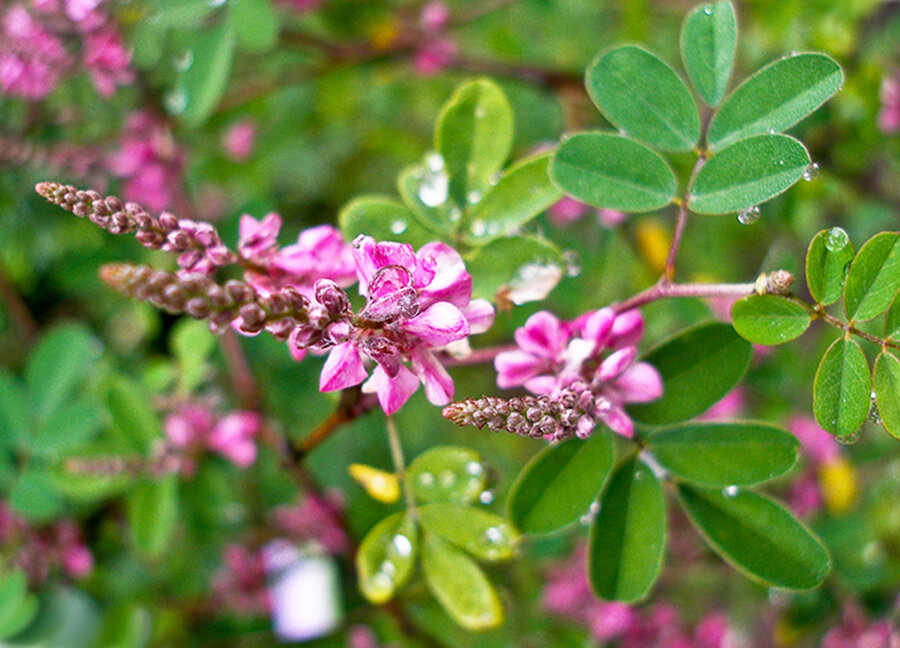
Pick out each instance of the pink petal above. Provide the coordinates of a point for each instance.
(627, 330)
(343, 368)
(515, 367)
(441, 324)
(543, 385)
(241, 454)
(438, 383)
(394, 392)
(616, 363)
(598, 326)
(450, 281)
(819, 445)
(543, 335)
(370, 257)
(234, 428)
(640, 383)
(480, 315)
(619, 422)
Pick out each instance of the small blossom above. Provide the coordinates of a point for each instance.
(315, 518)
(107, 60)
(239, 139)
(32, 59)
(195, 426)
(434, 16)
(241, 584)
(435, 56)
(889, 115)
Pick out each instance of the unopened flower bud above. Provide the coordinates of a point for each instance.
(197, 308)
(332, 297)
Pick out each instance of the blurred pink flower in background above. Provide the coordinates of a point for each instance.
(107, 60)
(435, 16)
(315, 519)
(889, 115)
(567, 210)
(195, 427)
(435, 56)
(239, 139)
(32, 60)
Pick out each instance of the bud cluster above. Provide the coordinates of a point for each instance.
(59, 158)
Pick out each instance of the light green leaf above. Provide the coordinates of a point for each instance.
(447, 474)
(201, 85)
(384, 219)
(721, 454)
(131, 415)
(560, 483)
(522, 192)
(892, 319)
(775, 98)
(769, 319)
(708, 41)
(69, 428)
(474, 135)
(628, 537)
(17, 607)
(886, 381)
(484, 535)
(254, 23)
(15, 410)
(526, 268)
(874, 277)
(698, 367)
(757, 536)
(192, 343)
(91, 486)
(152, 512)
(842, 388)
(425, 188)
(614, 172)
(747, 173)
(827, 261)
(460, 586)
(641, 95)
(386, 557)
(57, 366)
(35, 497)
(125, 626)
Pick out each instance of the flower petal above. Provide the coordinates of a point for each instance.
(627, 330)
(480, 315)
(343, 368)
(450, 281)
(441, 324)
(515, 367)
(394, 392)
(438, 383)
(640, 383)
(543, 335)
(619, 422)
(616, 363)
(598, 325)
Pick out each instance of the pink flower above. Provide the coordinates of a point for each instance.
(315, 518)
(32, 60)
(241, 584)
(729, 407)
(239, 139)
(803, 497)
(889, 115)
(435, 56)
(434, 16)
(818, 445)
(567, 209)
(195, 427)
(597, 348)
(107, 60)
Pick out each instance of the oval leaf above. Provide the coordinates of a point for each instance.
(482, 534)
(201, 85)
(460, 586)
(775, 98)
(708, 42)
(559, 484)
(628, 537)
(614, 172)
(892, 319)
(721, 454)
(886, 380)
(255, 24)
(526, 267)
(874, 277)
(641, 95)
(447, 474)
(56, 367)
(769, 319)
(757, 536)
(827, 261)
(131, 415)
(425, 188)
(386, 557)
(15, 410)
(842, 388)
(152, 511)
(384, 219)
(522, 193)
(35, 497)
(747, 173)
(698, 367)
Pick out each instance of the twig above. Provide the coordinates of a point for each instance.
(242, 380)
(16, 308)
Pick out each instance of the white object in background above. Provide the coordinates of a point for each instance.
(303, 590)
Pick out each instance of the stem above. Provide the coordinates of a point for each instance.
(353, 404)
(818, 312)
(399, 465)
(477, 356)
(242, 380)
(665, 290)
(17, 309)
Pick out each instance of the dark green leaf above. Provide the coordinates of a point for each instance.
(698, 367)
(386, 557)
(612, 171)
(384, 219)
(842, 388)
(827, 261)
(525, 267)
(747, 173)
(131, 415)
(721, 454)
(886, 380)
(522, 192)
(708, 41)
(152, 512)
(757, 536)
(775, 98)
(201, 85)
(641, 95)
(892, 319)
(460, 586)
(57, 366)
(254, 23)
(447, 474)
(874, 277)
(628, 537)
(482, 534)
(69, 428)
(560, 483)
(769, 319)
(15, 410)
(35, 497)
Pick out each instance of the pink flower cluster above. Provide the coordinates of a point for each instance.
(568, 595)
(33, 47)
(194, 428)
(39, 550)
(597, 348)
(889, 115)
(239, 139)
(314, 519)
(437, 51)
(858, 631)
(240, 585)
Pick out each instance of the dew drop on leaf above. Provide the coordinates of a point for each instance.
(709, 10)
(474, 197)
(573, 263)
(837, 239)
(176, 101)
(749, 215)
(185, 61)
(848, 439)
(811, 172)
(486, 497)
(731, 491)
(402, 545)
(398, 226)
(434, 187)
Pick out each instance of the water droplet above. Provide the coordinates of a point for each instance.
(433, 188)
(709, 10)
(772, 131)
(474, 197)
(848, 439)
(811, 172)
(638, 475)
(480, 112)
(434, 162)
(398, 226)
(455, 214)
(447, 478)
(474, 468)
(587, 518)
(573, 263)
(426, 479)
(478, 228)
(381, 582)
(176, 101)
(837, 239)
(533, 282)
(873, 553)
(402, 545)
(874, 414)
(216, 3)
(730, 491)
(486, 497)
(748, 216)
(185, 61)
(494, 535)
(780, 163)
(494, 179)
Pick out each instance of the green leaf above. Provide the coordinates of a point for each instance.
(892, 319)
(827, 261)
(66, 617)
(152, 512)
(757, 536)
(460, 586)
(125, 626)
(35, 497)
(525, 267)
(254, 23)
(886, 380)
(641, 95)
(722, 454)
(192, 343)
(386, 557)
(69, 428)
(708, 42)
(482, 534)
(560, 483)
(698, 367)
(474, 135)
(17, 607)
(201, 85)
(769, 319)
(131, 415)
(15, 410)
(88, 486)
(842, 388)
(775, 98)
(447, 474)
(384, 219)
(747, 173)
(425, 188)
(57, 366)
(874, 277)
(612, 171)
(628, 537)
(522, 192)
